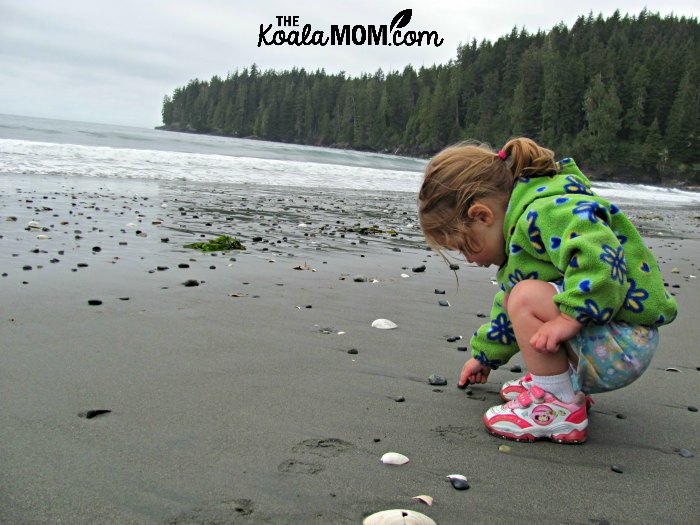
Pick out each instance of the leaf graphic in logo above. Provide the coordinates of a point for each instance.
(401, 19)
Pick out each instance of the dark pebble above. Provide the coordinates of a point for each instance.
(377, 440)
(257, 239)
(684, 452)
(353, 351)
(165, 239)
(54, 261)
(453, 338)
(96, 249)
(516, 369)
(94, 413)
(308, 306)
(692, 408)
(161, 268)
(459, 484)
(480, 314)
(82, 265)
(26, 268)
(183, 265)
(621, 416)
(616, 468)
(462, 348)
(123, 298)
(454, 267)
(94, 302)
(439, 292)
(442, 302)
(437, 380)
(212, 267)
(400, 399)
(419, 269)
(191, 282)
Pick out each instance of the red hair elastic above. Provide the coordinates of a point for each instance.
(502, 154)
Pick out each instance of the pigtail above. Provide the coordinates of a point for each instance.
(524, 157)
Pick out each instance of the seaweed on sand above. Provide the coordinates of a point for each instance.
(220, 244)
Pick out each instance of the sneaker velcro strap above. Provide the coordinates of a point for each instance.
(524, 399)
(537, 393)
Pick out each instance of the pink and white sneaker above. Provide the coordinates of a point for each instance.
(511, 389)
(535, 414)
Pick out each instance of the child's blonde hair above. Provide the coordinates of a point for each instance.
(466, 172)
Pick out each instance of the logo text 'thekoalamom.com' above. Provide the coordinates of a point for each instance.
(288, 33)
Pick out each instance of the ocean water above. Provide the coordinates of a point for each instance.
(42, 147)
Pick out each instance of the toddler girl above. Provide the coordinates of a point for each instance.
(580, 293)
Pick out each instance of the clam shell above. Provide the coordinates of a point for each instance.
(394, 458)
(384, 324)
(428, 500)
(458, 481)
(398, 517)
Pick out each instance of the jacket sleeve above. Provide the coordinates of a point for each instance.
(573, 233)
(493, 344)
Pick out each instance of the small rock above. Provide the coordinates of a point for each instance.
(191, 282)
(94, 302)
(504, 448)
(419, 269)
(400, 399)
(692, 408)
(453, 338)
(620, 416)
(96, 249)
(516, 369)
(684, 452)
(439, 292)
(454, 267)
(183, 265)
(675, 270)
(442, 302)
(437, 380)
(360, 279)
(94, 413)
(616, 468)
(26, 267)
(480, 314)
(353, 351)
(462, 348)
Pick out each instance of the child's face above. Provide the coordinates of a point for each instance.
(484, 243)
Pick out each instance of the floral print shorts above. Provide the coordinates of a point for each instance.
(612, 355)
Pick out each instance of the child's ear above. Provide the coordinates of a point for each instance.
(479, 212)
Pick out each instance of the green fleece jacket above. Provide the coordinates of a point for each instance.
(556, 229)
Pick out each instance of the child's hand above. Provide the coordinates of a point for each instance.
(552, 333)
(473, 372)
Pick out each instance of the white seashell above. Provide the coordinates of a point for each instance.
(428, 500)
(672, 369)
(384, 324)
(131, 225)
(42, 237)
(394, 458)
(405, 276)
(341, 333)
(33, 224)
(398, 517)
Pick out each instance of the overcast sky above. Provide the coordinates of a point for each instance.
(113, 61)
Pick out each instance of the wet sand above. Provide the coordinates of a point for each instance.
(264, 396)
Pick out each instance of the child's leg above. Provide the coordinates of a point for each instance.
(529, 306)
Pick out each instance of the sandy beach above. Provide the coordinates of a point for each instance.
(263, 395)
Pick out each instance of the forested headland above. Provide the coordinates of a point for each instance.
(620, 94)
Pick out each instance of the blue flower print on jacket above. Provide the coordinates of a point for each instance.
(593, 211)
(534, 233)
(592, 311)
(635, 297)
(518, 276)
(501, 330)
(484, 360)
(574, 186)
(616, 259)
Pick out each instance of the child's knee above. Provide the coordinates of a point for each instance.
(530, 294)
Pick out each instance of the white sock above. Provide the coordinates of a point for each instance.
(559, 385)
